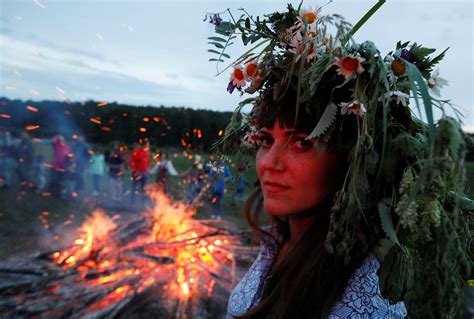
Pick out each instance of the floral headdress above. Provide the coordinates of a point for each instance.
(405, 175)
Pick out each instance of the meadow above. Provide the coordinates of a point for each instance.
(31, 221)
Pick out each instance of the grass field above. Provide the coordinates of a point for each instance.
(31, 222)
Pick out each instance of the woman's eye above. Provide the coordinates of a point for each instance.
(304, 143)
(264, 141)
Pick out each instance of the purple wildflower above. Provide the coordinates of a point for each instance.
(408, 56)
(215, 20)
(230, 87)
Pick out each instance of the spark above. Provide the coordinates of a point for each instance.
(146, 119)
(31, 108)
(100, 36)
(18, 74)
(60, 90)
(34, 92)
(39, 4)
(156, 119)
(142, 129)
(31, 127)
(103, 104)
(5, 116)
(74, 136)
(105, 129)
(220, 133)
(95, 120)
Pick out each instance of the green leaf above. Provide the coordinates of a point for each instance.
(216, 60)
(372, 160)
(465, 202)
(407, 145)
(224, 32)
(415, 77)
(361, 22)
(248, 39)
(217, 44)
(256, 38)
(218, 39)
(397, 273)
(220, 53)
(244, 38)
(247, 23)
(386, 219)
(325, 121)
(438, 58)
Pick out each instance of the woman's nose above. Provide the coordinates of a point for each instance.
(274, 158)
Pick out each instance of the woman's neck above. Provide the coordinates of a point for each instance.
(300, 222)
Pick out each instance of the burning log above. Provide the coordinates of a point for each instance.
(164, 263)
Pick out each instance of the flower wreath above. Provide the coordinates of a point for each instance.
(405, 175)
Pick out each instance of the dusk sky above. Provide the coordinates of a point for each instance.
(155, 52)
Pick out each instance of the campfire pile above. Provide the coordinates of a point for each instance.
(164, 264)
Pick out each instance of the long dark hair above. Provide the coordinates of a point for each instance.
(310, 280)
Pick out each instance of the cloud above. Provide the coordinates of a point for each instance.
(45, 60)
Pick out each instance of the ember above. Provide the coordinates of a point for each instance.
(164, 261)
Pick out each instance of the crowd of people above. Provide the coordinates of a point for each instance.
(114, 173)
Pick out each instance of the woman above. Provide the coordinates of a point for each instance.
(298, 184)
(366, 199)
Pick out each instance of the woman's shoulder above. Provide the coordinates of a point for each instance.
(363, 298)
(249, 289)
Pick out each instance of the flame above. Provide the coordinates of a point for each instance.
(95, 227)
(178, 254)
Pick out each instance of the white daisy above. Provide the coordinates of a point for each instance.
(435, 83)
(354, 107)
(399, 95)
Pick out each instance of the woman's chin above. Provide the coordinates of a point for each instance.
(276, 209)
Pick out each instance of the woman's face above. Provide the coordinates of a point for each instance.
(294, 177)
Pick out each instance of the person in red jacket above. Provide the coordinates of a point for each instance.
(139, 163)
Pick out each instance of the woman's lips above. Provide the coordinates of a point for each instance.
(273, 187)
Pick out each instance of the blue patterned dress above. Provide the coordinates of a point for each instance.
(362, 297)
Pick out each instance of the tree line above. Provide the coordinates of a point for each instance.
(103, 123)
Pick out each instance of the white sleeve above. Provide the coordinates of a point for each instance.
(170, 168)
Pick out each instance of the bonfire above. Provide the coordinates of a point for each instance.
(163, 264)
